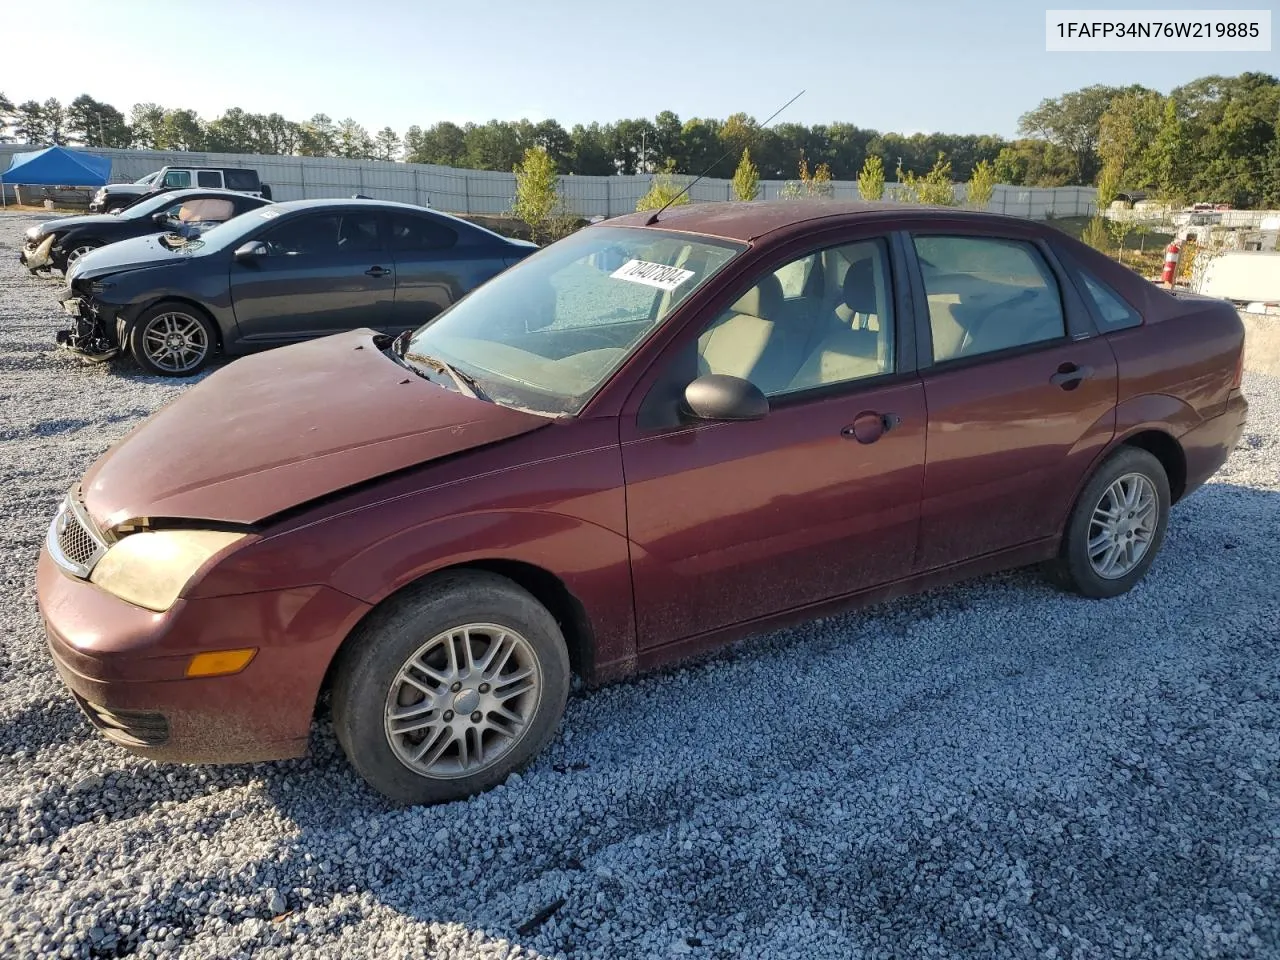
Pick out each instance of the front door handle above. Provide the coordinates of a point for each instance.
(376, 272)
(868, 426)
(1069, 376)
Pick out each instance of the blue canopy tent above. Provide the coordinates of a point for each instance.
(57, 167)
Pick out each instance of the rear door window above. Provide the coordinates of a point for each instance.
(208, 178)
(987, 294)
(413, 234)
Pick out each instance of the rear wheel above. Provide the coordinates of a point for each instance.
(1117, 526)
(457, 684)
(172, 339)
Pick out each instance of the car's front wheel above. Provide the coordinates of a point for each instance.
(172, 339)
(454, 685)
(76, 252)
(1117, 526)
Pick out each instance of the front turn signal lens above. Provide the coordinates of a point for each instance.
(217, 663)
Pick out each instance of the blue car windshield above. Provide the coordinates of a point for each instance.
(546, 334)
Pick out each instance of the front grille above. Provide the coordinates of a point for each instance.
(132, 728)
(73, 541)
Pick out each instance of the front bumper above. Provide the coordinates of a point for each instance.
(92, 334)
(37, 256)
(126, 665)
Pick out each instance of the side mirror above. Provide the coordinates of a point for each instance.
(718, 396)
(162, 217)
(251, 250)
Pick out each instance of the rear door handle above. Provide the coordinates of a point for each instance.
(868, 426)
(1069, 376)
(376, 272)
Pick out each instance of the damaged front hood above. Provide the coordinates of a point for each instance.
(274, 430)
(63, 224)
(132, 254)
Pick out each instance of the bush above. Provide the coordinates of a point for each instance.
(663, 190)
(934, 188)
(538, 201)
(871, 179)
(1095, 235)
(982, 184)
(809, 187)
(746, 179)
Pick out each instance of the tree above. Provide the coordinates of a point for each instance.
(982, 184)
(235, 132)
(30, 125)
(1119, 230)
(181, 130)
(353, 141)
(871, 179)
(1072, 122)
(146, 121)
(808, 186)
(1168, 156)
(539, 201)
(318, 137)
(96, 124)
(7, 117)
(663, 190)
(590, 154)
(746, 179)
(386, 145)
(281, 136)
(1125, 133)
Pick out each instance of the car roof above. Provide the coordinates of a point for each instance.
(345, 203)
(748, 220)
(207, 191)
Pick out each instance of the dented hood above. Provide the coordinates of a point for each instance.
(276, 429)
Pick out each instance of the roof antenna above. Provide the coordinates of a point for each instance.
(654, 218)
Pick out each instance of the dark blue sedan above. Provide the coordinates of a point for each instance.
(284, 273)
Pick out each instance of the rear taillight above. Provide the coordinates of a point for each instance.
(1239, 375)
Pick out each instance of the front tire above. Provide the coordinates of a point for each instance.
(458, 683)
(1117, 526)
(172, 339)
(73, 255)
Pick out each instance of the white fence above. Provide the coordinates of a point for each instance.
(491, 192)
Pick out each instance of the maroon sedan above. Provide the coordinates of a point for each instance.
(641, 442)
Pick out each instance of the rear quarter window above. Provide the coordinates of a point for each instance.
(240, 180)
(1113, 311)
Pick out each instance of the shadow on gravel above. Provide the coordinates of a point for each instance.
(1125, 833)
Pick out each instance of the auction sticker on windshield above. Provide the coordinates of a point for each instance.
(652, 274)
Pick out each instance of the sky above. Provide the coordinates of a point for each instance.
(901, 66)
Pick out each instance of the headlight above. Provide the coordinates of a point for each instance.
(151, 568)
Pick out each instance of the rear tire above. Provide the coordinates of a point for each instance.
(424, 721)
(1116, 527)
(172, 339)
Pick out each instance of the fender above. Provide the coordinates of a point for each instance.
(1150, 411)
(600, 579)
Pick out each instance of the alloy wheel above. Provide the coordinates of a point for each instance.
(78, 252)
(175, 342)
(463, 701)
(1122, 526)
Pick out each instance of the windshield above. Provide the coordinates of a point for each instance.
(546, 334)
(147, 179)
(148, 206)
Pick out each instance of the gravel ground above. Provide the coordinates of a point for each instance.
(994, 770)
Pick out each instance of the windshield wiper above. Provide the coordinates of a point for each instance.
(467, 384)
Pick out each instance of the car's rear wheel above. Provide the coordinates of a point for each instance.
(1116, 527)
(172, 339)
(449, 689)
